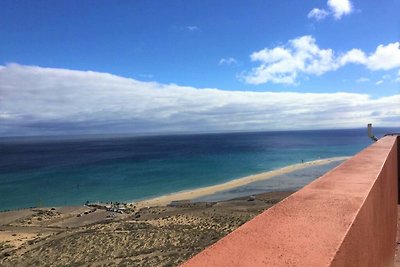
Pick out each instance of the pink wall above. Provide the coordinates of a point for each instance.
(345, 218)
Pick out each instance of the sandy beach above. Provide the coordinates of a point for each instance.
(155, 236)
(148, 233)
(204, 191)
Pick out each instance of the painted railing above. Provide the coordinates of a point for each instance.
(347, 217)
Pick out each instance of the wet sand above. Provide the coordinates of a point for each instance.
(210, 190)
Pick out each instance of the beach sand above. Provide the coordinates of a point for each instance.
(155, 236)
(151, 233)
(209, 190)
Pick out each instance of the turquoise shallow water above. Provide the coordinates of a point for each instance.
(285, 182)
(56, 171)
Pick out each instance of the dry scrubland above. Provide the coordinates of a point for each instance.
(155, 236)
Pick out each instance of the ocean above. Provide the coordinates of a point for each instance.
(70, 171)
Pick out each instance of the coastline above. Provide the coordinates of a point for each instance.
(209, 190)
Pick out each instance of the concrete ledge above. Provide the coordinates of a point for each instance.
(345, 218)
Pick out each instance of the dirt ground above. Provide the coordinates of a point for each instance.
(155, 236)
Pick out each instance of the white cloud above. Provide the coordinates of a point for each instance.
(227, 61)
(337, 8)
(340, 8)
(379, 82)
(192, 28)
(356, 56)
(317, 14)
(283, 64)
(363, 80)
(385, 57)
(37, 100)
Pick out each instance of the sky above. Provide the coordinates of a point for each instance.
(92, 67)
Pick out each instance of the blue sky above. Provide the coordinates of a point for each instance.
(317, 47)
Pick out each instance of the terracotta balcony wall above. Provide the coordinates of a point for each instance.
(345, 218)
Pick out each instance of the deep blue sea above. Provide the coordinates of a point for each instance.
(57, 172)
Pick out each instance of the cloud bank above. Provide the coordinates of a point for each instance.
(302, 55)
(36, 100)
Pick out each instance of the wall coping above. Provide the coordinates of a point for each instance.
(346, 217)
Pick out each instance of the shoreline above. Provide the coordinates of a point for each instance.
(209, 190)
(200, 192)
